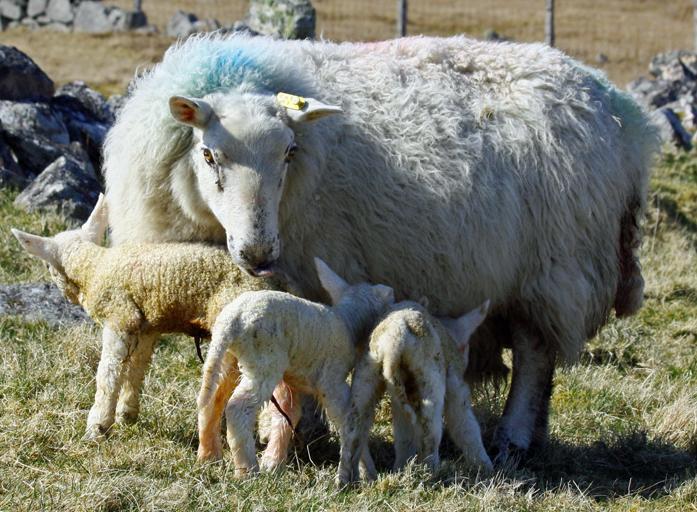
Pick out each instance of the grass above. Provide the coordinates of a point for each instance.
(623, 423)
(628, 32)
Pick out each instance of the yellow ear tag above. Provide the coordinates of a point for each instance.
(290, 101)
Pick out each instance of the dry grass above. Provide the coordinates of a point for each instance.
(628, 32)
(623, 426)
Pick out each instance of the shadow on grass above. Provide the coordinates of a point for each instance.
(631, 464)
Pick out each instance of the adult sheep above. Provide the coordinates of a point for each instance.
(454, 169)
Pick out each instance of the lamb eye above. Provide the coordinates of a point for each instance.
(208, 156)
(290, 152)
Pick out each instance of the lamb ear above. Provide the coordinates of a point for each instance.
(462, 328)
(93, 230)
(385, 293)
(190, 111)
(331, 282)
(39, 246)
(302, 110)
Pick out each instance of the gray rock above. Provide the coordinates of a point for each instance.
(96, 18)
(675, 66)
(92, 17)
(13, 24)
(12, 10)
(287, 19)
(42, 19)
(208, 25)
(671, 129)
(60, 11)
(241, 26)
(91, 100)
(57, 27)
(181, 24)
(37, 302)
(20, 77)
(652, 93)
(36, 7)
(11, 174)
(20, 118)
(68, 186)
(116, 103)
(87, 116)
(122, 21)
(30, 23)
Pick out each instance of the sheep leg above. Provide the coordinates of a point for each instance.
(404, 433)
(367, 387)
(281, 433)
(461, 423)
(128, 404)
(430, 418)
(109, 376)
(524, 418)
(211, 406)
(241, 412)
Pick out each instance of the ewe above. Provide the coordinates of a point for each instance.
(265, 337)
(136, 292)
(422, 365)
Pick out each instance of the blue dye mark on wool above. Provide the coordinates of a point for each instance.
(215, 67)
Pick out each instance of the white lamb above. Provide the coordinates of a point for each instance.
(137, 292)
(264, 337)
(422, 365)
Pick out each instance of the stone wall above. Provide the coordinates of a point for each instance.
(68, 15)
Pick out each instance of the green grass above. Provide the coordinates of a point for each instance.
(623, 424)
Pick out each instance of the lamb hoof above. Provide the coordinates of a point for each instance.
(508, 454)
(126, 417)
(95, 434)
(242, 473)
(271, 465)
(209, 455)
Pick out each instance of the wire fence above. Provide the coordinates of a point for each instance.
(618, 35)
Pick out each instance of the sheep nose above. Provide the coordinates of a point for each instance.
(258, 260)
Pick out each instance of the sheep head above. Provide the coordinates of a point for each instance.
(242, 146)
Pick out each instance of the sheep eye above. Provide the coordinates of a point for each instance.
(208, 156)
(290, 152)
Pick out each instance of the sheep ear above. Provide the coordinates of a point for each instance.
(190, 111)
(93, 230)
(462, 328)
(302, 110)
(333, 283)
(39, 246)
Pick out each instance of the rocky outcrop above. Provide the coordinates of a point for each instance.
(670, 92)
(39, 302)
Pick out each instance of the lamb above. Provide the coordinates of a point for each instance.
(500, 170)
(264, 337)
(136, 292)
(422, 365)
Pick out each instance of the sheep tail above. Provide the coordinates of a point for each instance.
(392, 372)
(630, 286)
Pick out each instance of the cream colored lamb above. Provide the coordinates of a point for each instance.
(136, 292)
(265, 337)
(422, 365)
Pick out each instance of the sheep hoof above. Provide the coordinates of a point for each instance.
(508, 454)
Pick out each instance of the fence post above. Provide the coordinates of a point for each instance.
(137, 5)
(549, 22)
(402, 18)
